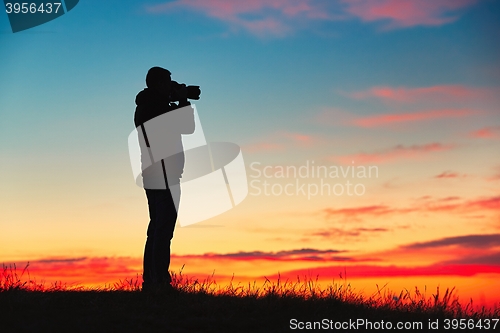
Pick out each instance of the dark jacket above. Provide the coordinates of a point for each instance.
(162, 126)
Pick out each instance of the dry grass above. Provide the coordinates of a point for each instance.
(203, 303)
(305, 289)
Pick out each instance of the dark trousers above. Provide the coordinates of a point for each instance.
(163, 215)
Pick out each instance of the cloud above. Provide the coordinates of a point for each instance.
(466, 255)
(395, 153)
(425, 205)
(83, 270)
(370, 271)
(300, 138)
(396, 118)
(475, 241)
(473, 249)
(305, 254)
(259, 17)
(347, 233)
(487, 259)
(281, 18)
(360, 212)
(335, 116)
(449, 174)
(435, 98)
(407, 13)
(436, 94)
(489, 132)
(482, 204)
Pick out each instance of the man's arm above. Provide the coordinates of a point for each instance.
(186, 120)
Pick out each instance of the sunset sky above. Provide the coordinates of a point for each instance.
(409, 90)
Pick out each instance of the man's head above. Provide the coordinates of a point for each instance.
(159, 79)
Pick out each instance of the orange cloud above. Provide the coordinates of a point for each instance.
(305, 254)
(347, 233)
(482, 204)
(395, 153)
(82, 271)
(376, 210)
(427, 204)
(357, 213)
(387, 119)
(449, 174)
(407, 13)
(439, 93)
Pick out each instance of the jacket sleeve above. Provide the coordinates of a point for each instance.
(185, 119)
(189, 125)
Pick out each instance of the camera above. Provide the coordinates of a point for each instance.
(193, 92)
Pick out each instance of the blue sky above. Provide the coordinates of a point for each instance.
(96, 57)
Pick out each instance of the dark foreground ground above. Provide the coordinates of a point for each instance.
(134, 311)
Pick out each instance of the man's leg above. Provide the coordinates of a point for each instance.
(161, 233)
(149, 275)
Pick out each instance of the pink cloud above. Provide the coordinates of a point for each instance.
(492, 203)
(282, 17)
(269, 17)
(439, 93)
(387, 119)
(490, 132)
(407, 13)
(299, 138)
(395, 153)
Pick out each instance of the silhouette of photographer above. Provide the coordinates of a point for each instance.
(160, 123)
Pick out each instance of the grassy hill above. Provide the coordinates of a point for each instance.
(195, 306)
